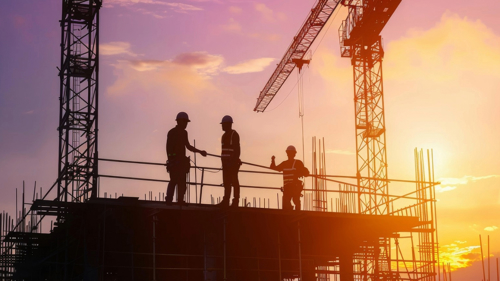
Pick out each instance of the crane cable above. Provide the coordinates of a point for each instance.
(301, 109)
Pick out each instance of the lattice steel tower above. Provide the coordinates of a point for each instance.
(78, 115)
(360, 40)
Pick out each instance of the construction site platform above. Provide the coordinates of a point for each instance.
(131, 239)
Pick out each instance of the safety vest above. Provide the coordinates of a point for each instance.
(227, 149)
(289, 174)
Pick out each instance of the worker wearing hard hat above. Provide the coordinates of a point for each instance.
(231, 162)
(178, 164)
(292, 169)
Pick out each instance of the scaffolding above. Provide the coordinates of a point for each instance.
(132, 239)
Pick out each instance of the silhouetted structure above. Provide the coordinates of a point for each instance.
(78, 115)
(367, 234)
(128, 239)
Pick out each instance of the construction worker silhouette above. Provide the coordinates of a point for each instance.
(292, 169)
(231, 162)
(178, 164)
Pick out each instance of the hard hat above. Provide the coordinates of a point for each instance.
(291, 148)
(227, 119)
(182, 115)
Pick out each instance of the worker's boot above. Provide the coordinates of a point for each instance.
(223, 204)
(167, 202)
(235, 203)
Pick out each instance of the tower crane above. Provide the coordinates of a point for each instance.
(360, 40)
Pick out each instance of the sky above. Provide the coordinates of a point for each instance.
(210, 58)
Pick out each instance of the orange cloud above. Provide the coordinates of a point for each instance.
(444, 53)
(254, 65)
(458, 256)
(186, 75)
(448, 184)
(116, 48)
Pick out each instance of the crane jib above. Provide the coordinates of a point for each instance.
(299, 47)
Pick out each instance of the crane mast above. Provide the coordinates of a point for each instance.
(360, 40)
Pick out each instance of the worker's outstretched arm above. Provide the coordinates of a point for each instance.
(273, 165)
(194, 149)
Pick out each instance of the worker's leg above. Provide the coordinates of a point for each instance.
(296, 199)
(171, 186)
(226, 180)
(236, 185)
(181, 187)
(287, 196)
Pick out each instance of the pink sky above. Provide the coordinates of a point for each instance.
(212, 58)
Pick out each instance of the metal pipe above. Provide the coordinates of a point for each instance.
(201, 186)
(482, 257)
(265, 167)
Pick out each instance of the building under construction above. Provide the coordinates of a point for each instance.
(351, 227)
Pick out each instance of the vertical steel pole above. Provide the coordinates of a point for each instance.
(482, 257)
(489, 279)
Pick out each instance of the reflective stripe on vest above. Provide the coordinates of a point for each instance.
(289, 174)
(228, 152)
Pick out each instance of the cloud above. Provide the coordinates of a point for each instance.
(448, 184)
(491, 228)
(146, 65)
(442, 54)
(187, 75)
(445, 188)
(139, 6)
(268, 14)
(464, 180)
(338, 151)
(232, 26)
(181, 7)
(254, 65)
(457, 256)
(116, 48)
(202, 62)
